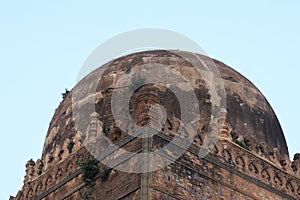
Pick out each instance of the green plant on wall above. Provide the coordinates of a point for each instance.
(105, 90)
(106, 129)
(127, 70)
(104, 172)
(64, 94)
(40, 171)
(241, 143)
(91, 170)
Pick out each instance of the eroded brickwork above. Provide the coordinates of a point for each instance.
(245, 163)
(234, 173)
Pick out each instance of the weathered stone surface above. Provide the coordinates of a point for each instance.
(249, 113)
(250, 160)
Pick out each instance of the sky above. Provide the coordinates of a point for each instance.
(44, 44)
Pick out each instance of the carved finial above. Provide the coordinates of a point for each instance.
(29, 170)
(251, 142)
(296, 164)
(225, 128)
(94, 128)
(286, 163)
(58, 153)
(12, 198)
(262, 149)
(38, 167)
(275, 156)
(176, 124)
(48, 161)
(77, 141)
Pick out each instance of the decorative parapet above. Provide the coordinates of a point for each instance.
(272, 169)
(30, 165)
(250, 144)
(282, 177)
(49, 178)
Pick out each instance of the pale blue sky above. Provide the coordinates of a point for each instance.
(44, 44)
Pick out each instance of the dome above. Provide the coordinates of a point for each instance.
(249, 114)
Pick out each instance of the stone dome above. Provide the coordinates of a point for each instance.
(248, 112)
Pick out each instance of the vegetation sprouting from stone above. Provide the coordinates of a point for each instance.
(105, 90)
(39, 171)
(127, 70)
(104, 172)
(106, 129)
(91, 170)
(241, 143)
(64, 94)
